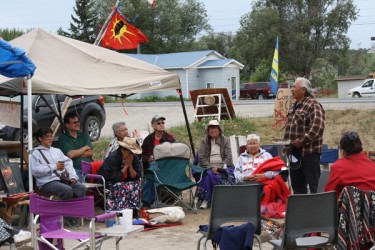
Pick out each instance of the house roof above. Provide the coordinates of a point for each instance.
(183, 59)
(219, 63)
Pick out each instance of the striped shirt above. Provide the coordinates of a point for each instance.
(306, 123)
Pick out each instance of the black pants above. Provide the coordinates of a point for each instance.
(307, 174)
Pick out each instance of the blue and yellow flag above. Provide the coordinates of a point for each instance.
(275, 69)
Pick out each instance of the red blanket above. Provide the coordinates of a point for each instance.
(275, 191)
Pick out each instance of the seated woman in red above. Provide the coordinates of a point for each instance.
(353, 169)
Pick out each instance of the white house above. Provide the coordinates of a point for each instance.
(197, 70)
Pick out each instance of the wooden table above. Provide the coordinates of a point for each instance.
(10, 203)
(118, 232)
(14, 147)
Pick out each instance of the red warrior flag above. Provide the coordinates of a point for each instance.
(121, 35)
(152, 2)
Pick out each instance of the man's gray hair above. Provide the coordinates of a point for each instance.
(305, 83)
(253, 137)
(116, 126)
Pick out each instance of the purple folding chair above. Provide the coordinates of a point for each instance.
(98, 189)
(49, 214)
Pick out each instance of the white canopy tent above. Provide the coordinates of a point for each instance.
(67, 66)
(71, 67)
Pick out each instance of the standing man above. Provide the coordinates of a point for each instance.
(304, 128)
(75, 144)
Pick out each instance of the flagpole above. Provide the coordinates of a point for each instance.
(105, 26)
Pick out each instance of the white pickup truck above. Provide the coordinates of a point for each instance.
(367, 89)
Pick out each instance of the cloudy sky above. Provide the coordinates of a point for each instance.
(223, 16)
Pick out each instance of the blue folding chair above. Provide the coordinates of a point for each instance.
(329, 156)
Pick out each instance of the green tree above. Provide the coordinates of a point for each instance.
(360, 62)
(221, 42)
(306, 29)
(262, 72)
(10, 34)
(324, 75)
(173, 26)
(84, 25)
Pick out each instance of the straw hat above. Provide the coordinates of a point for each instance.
(209, 100)
(214, 123)
(130, 144)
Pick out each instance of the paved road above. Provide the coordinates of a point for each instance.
(139, 114)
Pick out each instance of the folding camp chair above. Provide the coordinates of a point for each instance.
(172, 172)
(306, 214)
(237, 203)
(329, 156)
(89, 179)
(48, 214)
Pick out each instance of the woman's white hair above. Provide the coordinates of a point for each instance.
(253, 137)
(116, 125)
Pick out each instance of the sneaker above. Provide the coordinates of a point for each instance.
(204, 205)
(21, 236)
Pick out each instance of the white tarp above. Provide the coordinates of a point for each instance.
(68, 66)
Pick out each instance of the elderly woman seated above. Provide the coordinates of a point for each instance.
(122, 172)
(353, 169)
(48, 164)
(120, 131)
(216, 155)
(255, 165)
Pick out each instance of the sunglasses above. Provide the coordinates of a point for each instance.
(160, 123)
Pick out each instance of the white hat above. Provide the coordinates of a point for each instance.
(214, 123)
(130, 144)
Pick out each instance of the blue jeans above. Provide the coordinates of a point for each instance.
(79, 173)
(65, 192)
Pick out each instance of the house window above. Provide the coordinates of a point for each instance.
(210, 85)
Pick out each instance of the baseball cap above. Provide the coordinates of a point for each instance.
(156, 118)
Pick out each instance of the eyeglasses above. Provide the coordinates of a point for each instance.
(160, 123)
(253, 143)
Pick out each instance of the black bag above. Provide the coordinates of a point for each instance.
(64, 177)
(294, 158)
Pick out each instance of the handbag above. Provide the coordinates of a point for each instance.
(64, 176)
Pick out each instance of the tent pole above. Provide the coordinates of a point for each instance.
(105, 26)
(21, 134)
(30, 148)
(186, 121)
